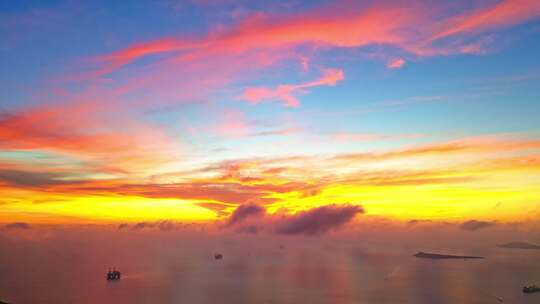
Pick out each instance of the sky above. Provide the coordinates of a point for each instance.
(269, 114)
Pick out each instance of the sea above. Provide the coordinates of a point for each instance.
(70, 267)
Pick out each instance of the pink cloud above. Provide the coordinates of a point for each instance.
(503, 14)
(286, 92)
(304, 62)
(473, 48)
(88, 131)
(190, 68)
(377, 24)
(233, 125)
(396, 63)
(412, 28)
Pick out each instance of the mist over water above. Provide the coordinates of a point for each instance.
(69, 266)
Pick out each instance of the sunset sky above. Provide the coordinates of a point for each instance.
(146, 111)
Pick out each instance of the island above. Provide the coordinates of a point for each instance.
(520, 245)
(426, 255)
(531, 289)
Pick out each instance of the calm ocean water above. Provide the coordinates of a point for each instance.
(290, 270)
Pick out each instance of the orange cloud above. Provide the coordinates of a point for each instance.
(257, 180)
(477, 170)
(479, 144)
(224, 192)
(285, 93)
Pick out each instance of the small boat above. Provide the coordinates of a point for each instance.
(218, 256)
(113, 275)
(531, 289)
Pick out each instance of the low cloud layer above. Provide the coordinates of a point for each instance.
(245, 211)
(160, 225)
(319, 220)
(412, 223)
(29, 179)
(474, 225)
(18, 225)
(520, 245)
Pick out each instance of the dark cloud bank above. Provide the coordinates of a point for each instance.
(474, 225)
(17, 225)
(245, 211)
(319, 220)
(253, 218)
(161, 225)
(31, 179)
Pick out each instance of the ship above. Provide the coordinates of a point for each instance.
(113, 275)
(531, 289)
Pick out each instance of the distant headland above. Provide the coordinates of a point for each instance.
(520, 245)
(426, 255)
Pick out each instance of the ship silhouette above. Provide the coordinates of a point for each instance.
(113, 275)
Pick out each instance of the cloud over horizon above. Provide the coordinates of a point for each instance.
(18, 225)
(252, 218)
(474, 225)
(164, 225)
(319, 220)
(243, 212)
